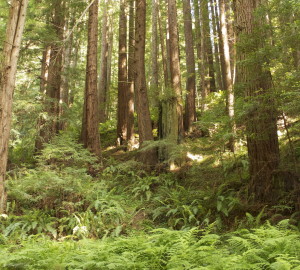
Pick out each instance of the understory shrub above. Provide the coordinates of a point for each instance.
(267, 247)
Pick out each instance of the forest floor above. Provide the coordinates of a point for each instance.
(67, 212)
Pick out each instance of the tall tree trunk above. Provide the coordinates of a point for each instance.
(220, 43)
(190, 109)
(198, 49)
(8, 69)
(142, 104)
(50, 127)
(231, 33)
(207, 47)
(166, 69)
(45, 69)
(205, 79)
(131, 70)
(66, 65)
(228, 83)
(102, 83)
(255, 79)
(154, 48)
(122, 77)
(109, 59)
(163, 48)
(176, 128)
(90, 125)
(43, 86)
(73, 68)
(215, 26)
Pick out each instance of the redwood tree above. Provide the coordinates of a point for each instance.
(131, 71)
(190, 109)
(90, 124)
(122, 76)
(176, 125)
(142, 104)
(102, 84)
(254, 78)
(228, 81)
(49, 127)
(8, 69)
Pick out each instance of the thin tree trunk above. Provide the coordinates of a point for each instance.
(45, 69)
(73, 68)
(50, 127)
(8, 69)
(65, 86)
(109, 60)
(142, 104)
(154, 48)
(207, 47)
(131, 71)
(176, 129)
(166, 69)
(43, 87)
(221, 44)
(163, 49)
(228, 83)
(102, 83)
(198, 49)
(261, 120)
(122, 77)
(90, 124)
(215, 22)
(190, 109)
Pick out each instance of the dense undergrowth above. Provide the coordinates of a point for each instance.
(267, 247)
(67, 211)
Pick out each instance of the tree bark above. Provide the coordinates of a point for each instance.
(228, 82)
(66, 64)
(102, 83)
(163, 48)
(45, 69)
(154, 48)
(207, 47)
(49, 127)
(8, 69)
(198, 49)
(142, 104)
(43, 86)
(215, 26)
(190, 109)
(90, 125)
(109, 67)
(131, 70)
(254, 77)
(176, 126)
(122, 77)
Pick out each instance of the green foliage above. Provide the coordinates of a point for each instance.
(65, 151)
(267, 247)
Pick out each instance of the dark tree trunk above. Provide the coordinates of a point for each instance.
(122, 77)
(228, 82)
(102, 83)
(255, 79)
(175, 71)
(8, 69)
(131, 68)
(142, 104)
(190, 109)
(198, 50)
(90, 124)
(215, 26)
(207, 46)
(50, 127)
